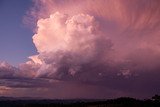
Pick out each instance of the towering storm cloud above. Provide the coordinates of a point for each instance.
(109, 46)
(70, 43)
(112, 34)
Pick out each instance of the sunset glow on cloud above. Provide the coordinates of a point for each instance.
(91, 48)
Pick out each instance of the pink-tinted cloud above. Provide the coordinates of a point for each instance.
(113, 33)
(101, 45)
(94, 44)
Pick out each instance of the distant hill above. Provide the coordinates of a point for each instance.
(119, 102)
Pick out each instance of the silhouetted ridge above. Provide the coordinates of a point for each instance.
(119, 102)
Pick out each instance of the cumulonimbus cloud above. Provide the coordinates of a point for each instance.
(120, 40)
(69, 43)
(116, 36)
(104, 43)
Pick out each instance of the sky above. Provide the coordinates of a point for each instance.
(15, 36)
(66, 49)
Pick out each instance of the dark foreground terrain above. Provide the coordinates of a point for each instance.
(119, 102)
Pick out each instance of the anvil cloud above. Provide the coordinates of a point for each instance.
(109, 47)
